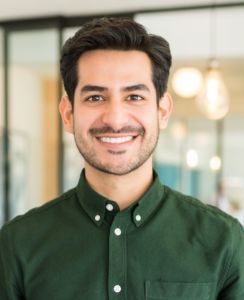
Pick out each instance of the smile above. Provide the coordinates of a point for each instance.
(116, 140)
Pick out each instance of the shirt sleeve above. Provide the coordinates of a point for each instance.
(233, 286)
(8, 282)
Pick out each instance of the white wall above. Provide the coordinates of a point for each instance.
(189, 32)
(29, 8)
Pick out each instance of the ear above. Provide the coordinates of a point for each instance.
(165, 109)
(66, 112)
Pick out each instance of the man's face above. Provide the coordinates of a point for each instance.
(115, 118)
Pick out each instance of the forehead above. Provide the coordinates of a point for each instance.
(110, 65)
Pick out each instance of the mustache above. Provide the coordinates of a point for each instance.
(126, 129)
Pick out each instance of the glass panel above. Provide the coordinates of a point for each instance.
(73, 161)
(33, 92)
(1, 127)
(182, 157)
(213, 182)
(233, 171)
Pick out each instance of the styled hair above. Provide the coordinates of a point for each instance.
(115, 34)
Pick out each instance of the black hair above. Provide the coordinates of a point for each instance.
(115, 34)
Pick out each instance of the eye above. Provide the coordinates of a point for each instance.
(135, 98)
(95, 98)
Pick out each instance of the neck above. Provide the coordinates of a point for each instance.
(124, 189)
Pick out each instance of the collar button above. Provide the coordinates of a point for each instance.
(97, 218)
(109, 207)
(138, 218)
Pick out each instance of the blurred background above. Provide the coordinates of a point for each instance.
(201, 153)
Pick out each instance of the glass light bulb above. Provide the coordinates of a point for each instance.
(213, 99)
(192, 158)
(187, 82)
(179, 130)
(215, 163)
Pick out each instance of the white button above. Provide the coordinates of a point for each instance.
(109, 207)
(117, 288)
(138, 218)
(117, 231)
(97, 217)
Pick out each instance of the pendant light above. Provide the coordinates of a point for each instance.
(213, 98)
(187, 82)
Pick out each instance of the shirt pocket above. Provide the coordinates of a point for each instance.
(158, 289)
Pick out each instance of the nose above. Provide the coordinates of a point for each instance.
(115, 115)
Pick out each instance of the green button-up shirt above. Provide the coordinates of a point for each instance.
(81, 246)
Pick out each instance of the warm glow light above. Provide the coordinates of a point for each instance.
(213, 99)
(192, 158)
(187, 82)
(179, 130)
(215, 163)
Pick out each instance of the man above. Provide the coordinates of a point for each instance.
(120, 234)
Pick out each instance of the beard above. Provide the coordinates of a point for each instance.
(91, 157)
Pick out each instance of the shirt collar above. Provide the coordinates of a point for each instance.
(149, 202)
(95, 204)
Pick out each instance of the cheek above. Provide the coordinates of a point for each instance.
(80, 122)
(150, 119)
(84, 120)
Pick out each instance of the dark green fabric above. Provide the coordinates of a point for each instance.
(180, 249)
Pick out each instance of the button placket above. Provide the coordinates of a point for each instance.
(117, 263)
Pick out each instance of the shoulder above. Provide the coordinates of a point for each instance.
(44, 214)
(205, 217)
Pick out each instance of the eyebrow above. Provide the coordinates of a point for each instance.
(93, 88)
(136, 87)
(98, 88)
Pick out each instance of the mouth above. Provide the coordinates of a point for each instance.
(116, 140)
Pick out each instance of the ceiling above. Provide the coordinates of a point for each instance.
(10, 9)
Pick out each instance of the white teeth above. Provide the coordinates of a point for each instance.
(117, 140)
